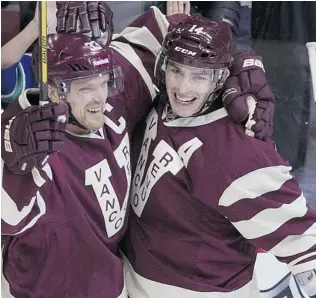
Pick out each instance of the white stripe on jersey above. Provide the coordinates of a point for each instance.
(311, 265)
(23, 101)
(141, 287)
(42, 208)
(127, 51)
(269, 220)
(141, 36)
(38, 179)
(10, 212)
(198, 120)
(295, 244)
(161, 20)
(48, 170)
(255, 184)
(296, 261)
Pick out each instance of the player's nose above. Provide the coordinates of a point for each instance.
(100, 94)
(184, 87)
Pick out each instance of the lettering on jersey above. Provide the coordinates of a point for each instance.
(117, 128)
(150, 135)
(98, 177)
(166, 159)
(185, 51)
(253, 62)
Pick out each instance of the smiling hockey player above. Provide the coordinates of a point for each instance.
(204, 194)
(65, 188)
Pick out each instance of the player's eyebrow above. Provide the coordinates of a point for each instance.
(92, 85)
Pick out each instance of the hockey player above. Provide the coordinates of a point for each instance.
(205, 195)
(65, 225)
(65, 188)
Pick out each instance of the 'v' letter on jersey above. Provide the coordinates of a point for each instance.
(98, 177)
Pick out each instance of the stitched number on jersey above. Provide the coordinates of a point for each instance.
(93, 45)
(165, 160)
(195, 29)
(98, 177)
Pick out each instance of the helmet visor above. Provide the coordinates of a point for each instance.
(189, 74)
(111, 80)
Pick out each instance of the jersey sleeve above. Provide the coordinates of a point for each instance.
(22, 196)
(139, 44)
(264, 202)
(23, 199)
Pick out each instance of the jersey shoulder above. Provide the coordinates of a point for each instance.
(229, 155)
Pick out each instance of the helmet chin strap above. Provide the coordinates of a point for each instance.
(72, 119)
(208, 103)
(62, 96)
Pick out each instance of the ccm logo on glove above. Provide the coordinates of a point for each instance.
(253, 62)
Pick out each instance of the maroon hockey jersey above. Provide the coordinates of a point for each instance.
(66, 220)
(204, 196)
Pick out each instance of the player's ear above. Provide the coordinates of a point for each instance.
(53, 93)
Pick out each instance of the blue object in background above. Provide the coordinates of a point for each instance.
(15, 79)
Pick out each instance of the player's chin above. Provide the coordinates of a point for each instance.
(182, 111)
(95, 124)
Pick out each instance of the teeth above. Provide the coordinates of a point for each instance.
(184, 100)
(94, 110)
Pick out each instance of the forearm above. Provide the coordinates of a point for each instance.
(21, 206)
(13, 51)
(228, 11)
(273, 214)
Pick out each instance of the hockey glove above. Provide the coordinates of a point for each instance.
(28, 138)
(93, 17)
(247, 79)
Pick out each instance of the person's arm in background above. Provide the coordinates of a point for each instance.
(13, 51)
(228, 11)
(177, 7)
(16, 61)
